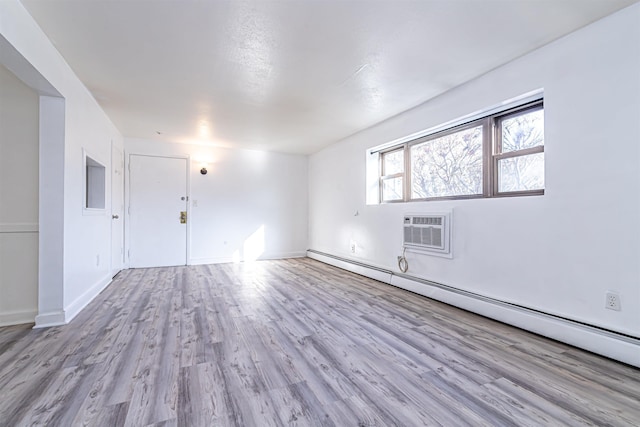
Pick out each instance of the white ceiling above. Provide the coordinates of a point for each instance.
(289, 76)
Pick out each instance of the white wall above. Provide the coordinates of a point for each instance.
(245, 193)
(18, 200)
(78, 122)
(558, 253)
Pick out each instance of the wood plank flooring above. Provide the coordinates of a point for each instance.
(296, 343)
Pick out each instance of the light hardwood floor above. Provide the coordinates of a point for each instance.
(296, 342)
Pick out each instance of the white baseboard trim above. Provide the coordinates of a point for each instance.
(9, 318)
(358, 268)
(62, 317)
(83, 300)
(205, 261)
(610, 344)
(52, 318)
(225, 260)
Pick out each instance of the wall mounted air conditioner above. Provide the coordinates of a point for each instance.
(428, 233)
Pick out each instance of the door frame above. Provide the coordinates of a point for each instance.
(127, 200)
(121, 229)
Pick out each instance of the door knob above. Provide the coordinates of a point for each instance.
(115, 216)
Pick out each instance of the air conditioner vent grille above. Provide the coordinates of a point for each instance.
(428, 233)
(427, 220)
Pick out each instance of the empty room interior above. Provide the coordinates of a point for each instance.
(305, 212)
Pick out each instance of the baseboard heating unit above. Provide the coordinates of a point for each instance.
(614, 345)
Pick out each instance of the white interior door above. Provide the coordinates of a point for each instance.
(117, 210)
(158, 196)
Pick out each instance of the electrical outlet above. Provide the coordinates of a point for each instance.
(353, 248)
(613, 301)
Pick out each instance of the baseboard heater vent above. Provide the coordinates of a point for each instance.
(619, 346)
(430, 234)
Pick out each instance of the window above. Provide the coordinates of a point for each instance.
(498, 155)
(392, 175)
(519, 153)
(447, 165)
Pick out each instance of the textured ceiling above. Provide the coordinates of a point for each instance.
(289, 76)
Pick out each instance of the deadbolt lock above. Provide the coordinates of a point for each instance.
(183, 217)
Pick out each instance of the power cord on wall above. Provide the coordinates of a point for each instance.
(403, 264)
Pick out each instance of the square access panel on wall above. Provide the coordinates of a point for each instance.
(94, 183)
